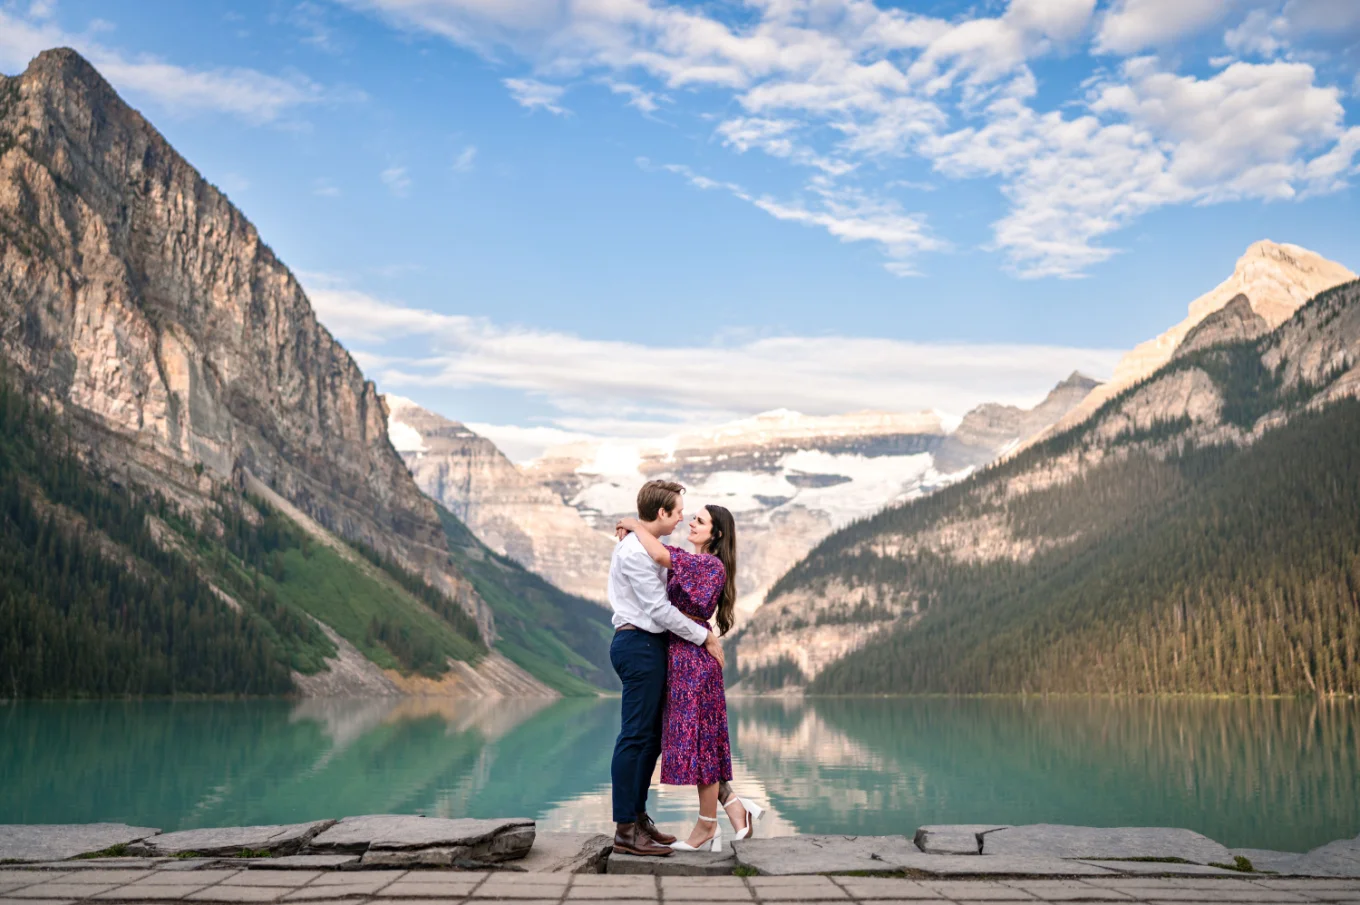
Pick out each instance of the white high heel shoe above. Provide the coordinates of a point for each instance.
(712, 845)
(753, 813)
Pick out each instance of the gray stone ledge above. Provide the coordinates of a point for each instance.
(294, 862)
(679, 864)
(953, 839)
(1098, 844)
(568, 853)
(1166, 869)
(276, 840)
(59, 841)
(510, 836)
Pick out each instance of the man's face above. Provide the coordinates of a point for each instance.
(670, 518)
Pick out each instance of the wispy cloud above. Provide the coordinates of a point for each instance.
(249, 94)
(584, 379)
(845, 212)
(397, 180)
(465, 160)
(535, 95)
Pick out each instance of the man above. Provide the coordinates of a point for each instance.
(642, 618)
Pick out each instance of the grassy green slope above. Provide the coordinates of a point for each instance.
(561, 639)
(275, 565)
(110, 590)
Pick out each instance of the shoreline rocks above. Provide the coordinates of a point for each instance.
(964, 851)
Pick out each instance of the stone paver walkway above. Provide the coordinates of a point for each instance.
(375, 887)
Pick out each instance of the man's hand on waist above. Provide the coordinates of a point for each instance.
(713, 645)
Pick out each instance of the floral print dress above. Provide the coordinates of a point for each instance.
(694, 746)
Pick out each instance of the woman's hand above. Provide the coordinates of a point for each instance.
(626, 526)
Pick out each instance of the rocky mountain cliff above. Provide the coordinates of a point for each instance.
(136, 299)
(511, 513)
(1275, 279)
(1195, 533)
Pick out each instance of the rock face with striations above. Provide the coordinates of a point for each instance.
(991, 430)
(511, 513)
(1276, 279)
(1234, 322)
(135, 295)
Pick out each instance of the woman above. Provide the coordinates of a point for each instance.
(695, 750)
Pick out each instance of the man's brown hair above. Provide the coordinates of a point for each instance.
(655, 496)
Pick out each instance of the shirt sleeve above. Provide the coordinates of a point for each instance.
(640, 572)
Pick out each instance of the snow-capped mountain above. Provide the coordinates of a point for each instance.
(791, 479)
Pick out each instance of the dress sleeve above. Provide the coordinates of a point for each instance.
(702, 576)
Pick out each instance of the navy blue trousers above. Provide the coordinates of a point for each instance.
(640, 659)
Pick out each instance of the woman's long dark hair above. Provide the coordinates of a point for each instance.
(722, 543)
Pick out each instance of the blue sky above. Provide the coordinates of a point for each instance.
(611, 217)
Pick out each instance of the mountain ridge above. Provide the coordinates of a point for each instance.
(183, 361)
(1275, 278)
(981, 569)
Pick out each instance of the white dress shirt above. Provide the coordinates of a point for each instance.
(637, 592)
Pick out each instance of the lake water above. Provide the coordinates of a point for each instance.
(1264, 774)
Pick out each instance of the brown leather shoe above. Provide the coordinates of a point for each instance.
(631, 839)
(648, 827)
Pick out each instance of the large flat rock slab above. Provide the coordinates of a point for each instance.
(792, 855)
(1099, 844)
(59, 841)
(802, 855)
(1164, 869)
(1029, 866)
(293, 862)
(678, 864)
(257, 840)
(393, 840)
(1335, 859)
(954, 839)
(568, 853)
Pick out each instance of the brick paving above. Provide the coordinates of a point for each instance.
(393, 887)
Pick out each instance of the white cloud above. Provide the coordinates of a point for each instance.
(1152, 138)
(586, 379)
(639, 98)
(323, 189)
(465, 160)
(1273, 30)
(850, 89)
(246, 93)
(1134, 25)
(533, 95)
(521, 443)
(846, 213)
(397, 180)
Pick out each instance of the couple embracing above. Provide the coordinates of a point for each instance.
(671, 665)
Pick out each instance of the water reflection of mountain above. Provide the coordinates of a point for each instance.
(1265, 773)
(186, 764)
(1278, 774)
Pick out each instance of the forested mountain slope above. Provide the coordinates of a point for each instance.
(558, 637)
(200, 493)
(107, 589)
(1199, 533)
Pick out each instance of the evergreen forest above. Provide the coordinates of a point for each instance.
(1209, 569)
(110, 590)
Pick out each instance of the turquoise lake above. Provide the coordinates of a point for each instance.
(1249, 773)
